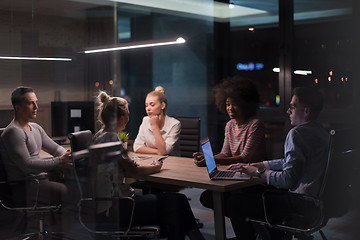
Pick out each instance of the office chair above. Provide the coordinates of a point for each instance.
(99, 156)
(8, 202)
(311, 214)
(80, 140)
(189, 136)
(190, 141)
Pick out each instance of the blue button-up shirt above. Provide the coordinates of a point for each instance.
(301, 171)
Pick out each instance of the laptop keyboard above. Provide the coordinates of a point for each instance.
(225, 173)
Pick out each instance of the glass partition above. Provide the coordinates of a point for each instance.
(43, 45)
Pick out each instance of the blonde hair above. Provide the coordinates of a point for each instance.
(160, 93)
(111, 109)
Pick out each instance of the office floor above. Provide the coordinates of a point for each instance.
(344, 228)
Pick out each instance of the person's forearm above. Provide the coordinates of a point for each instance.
(222, 159)
(145, 170)
(148, 150)
(258, 164)
(159, 142)
(142, 170)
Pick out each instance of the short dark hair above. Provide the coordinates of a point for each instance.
(310, 97)
(18, 93)
(243, 91)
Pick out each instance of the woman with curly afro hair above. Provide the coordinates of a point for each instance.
(244, 140)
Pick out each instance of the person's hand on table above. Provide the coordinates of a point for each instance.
(157, 165)
(64, 159)
(199, 159)
(135, 163)
(236, 167)
(249, 169)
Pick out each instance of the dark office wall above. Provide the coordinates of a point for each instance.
(182, 69)
(136, 72)
(22, 34)
(6, 115)
(42, 35)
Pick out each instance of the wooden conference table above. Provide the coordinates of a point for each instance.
(181, 171)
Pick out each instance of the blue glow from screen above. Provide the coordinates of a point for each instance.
(209, 157)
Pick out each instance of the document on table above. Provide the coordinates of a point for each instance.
(140, 157)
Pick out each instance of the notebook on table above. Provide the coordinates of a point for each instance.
(214, 173)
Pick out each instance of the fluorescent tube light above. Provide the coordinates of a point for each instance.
(140, 44)
(36, 58)
(276, 69)
(302, 72)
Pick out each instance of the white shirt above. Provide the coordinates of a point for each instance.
(170, 133)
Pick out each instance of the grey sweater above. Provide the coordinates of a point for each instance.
(21, 155)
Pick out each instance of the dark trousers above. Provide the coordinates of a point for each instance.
(44, 193)
(247, 203)
(238, 206)
(171, 211)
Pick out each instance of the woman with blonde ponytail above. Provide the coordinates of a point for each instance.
(158, 133)
(171, 211)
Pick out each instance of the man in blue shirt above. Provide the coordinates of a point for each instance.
(301, 169)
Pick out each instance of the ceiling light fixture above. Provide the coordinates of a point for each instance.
(300, 72)
(276, 69)
(140, 44)
(303, 72)
(36, 58)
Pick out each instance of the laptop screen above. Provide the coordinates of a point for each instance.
(208, 155)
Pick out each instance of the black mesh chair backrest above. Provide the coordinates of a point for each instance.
(100, 154)
(189, 136)
(80, 140)
(342, 159)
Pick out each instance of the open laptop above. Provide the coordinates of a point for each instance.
(214, 173)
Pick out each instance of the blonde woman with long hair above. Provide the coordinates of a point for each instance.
(158, 132)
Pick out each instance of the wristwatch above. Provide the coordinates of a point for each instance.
(260, 171)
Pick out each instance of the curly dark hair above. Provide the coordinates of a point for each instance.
(243, 91)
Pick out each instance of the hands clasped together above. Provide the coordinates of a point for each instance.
(199, 159)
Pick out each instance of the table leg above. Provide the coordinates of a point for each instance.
(219, 217)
